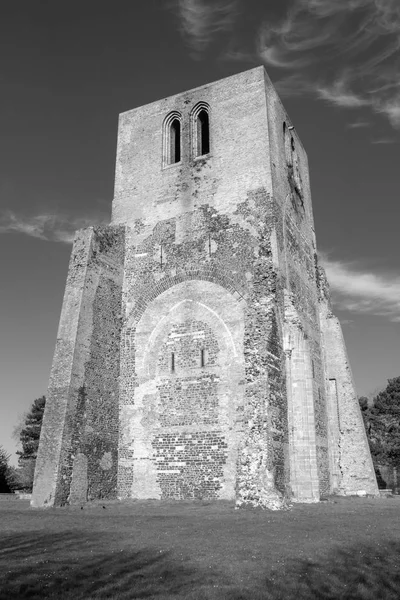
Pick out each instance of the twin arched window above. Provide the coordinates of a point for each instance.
(200, 134)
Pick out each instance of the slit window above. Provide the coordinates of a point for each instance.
(202, 357)
(174, 150)
(289, 142)
(173, 362)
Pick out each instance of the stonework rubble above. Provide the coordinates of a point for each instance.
(197, 355)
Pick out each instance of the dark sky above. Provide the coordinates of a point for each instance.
(69, 68)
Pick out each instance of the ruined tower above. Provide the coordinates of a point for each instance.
(197, 355)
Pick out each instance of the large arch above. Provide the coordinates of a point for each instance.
(182, 378)
(216, 276)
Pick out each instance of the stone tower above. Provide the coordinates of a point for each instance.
(197, 355)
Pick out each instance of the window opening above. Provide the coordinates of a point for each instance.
(161, 255)
(202, 357)
(209, 245)
(173, 362)
(288, 141)
(174, 142)
(203, 133)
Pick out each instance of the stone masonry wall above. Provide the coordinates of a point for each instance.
(207, 258)
(66, 374)
(188, 217)
(178, 426)
(148, 192)
(77, 455)
(195, 358)
(351, 463)
(295, 251)
(211, 219)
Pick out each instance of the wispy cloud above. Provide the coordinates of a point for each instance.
(363, 291)
(348, 52)
(201, 20)
(384, 141)
(390, 108)
(345, 52)
(339, 94)
(358, 125)
(48, 227)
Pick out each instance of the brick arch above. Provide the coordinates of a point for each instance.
(163, 285)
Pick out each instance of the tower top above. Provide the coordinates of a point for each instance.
(209, 145)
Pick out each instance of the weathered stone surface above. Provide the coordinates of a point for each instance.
(351, 465)
(82, 398)
(196, 351)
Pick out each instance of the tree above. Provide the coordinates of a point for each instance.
(382, 424)
(29, 437)
(4, 471)
(30, 433)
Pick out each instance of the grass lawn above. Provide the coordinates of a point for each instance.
(348, 549)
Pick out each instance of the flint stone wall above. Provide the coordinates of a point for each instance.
(79, 437)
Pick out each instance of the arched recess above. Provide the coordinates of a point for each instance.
(216, 276)
(172, 138)
(180, 432)
(200, 128)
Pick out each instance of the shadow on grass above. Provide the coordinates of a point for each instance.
(359, 573)
(79, 565)
(70, 565)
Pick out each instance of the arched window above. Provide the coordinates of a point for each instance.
(201, 129)
(203, 133)
(174, 142)
(172, 139)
